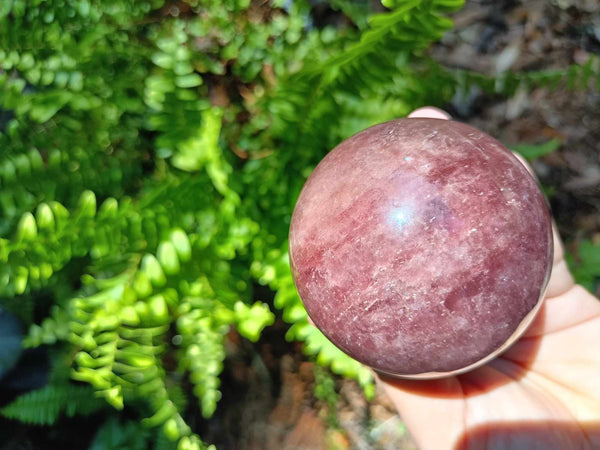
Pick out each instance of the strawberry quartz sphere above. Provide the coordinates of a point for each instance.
(421, 247)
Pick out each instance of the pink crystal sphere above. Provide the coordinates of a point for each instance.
(421, 247)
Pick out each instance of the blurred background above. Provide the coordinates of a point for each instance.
(151, 153)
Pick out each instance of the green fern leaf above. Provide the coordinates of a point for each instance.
(44, 406)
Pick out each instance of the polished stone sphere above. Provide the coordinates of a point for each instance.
(421, 247)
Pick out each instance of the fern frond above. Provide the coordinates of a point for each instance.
(358, 12)
(52, 329)
(45, 242)
(121, 332)
(161, 442)
(202, 343)
(359, 69)
(44, 406)
(72, 124)
(576, 76)
(115, 434)
(170, 92)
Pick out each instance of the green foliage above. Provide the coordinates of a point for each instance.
(43, 406)
(325, 391)
(534, 151)
(576, 76)
(585, 264)
(358, 12)
(115, 435)
(150, 163)
(74, 124)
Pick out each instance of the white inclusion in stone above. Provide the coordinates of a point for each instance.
(401, 217)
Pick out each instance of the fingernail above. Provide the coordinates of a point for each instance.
(430, 112)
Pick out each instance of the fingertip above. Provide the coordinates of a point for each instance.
(429, 112)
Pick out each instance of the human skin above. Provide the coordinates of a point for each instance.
(542, 393)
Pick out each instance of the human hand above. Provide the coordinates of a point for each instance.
(542, 393)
